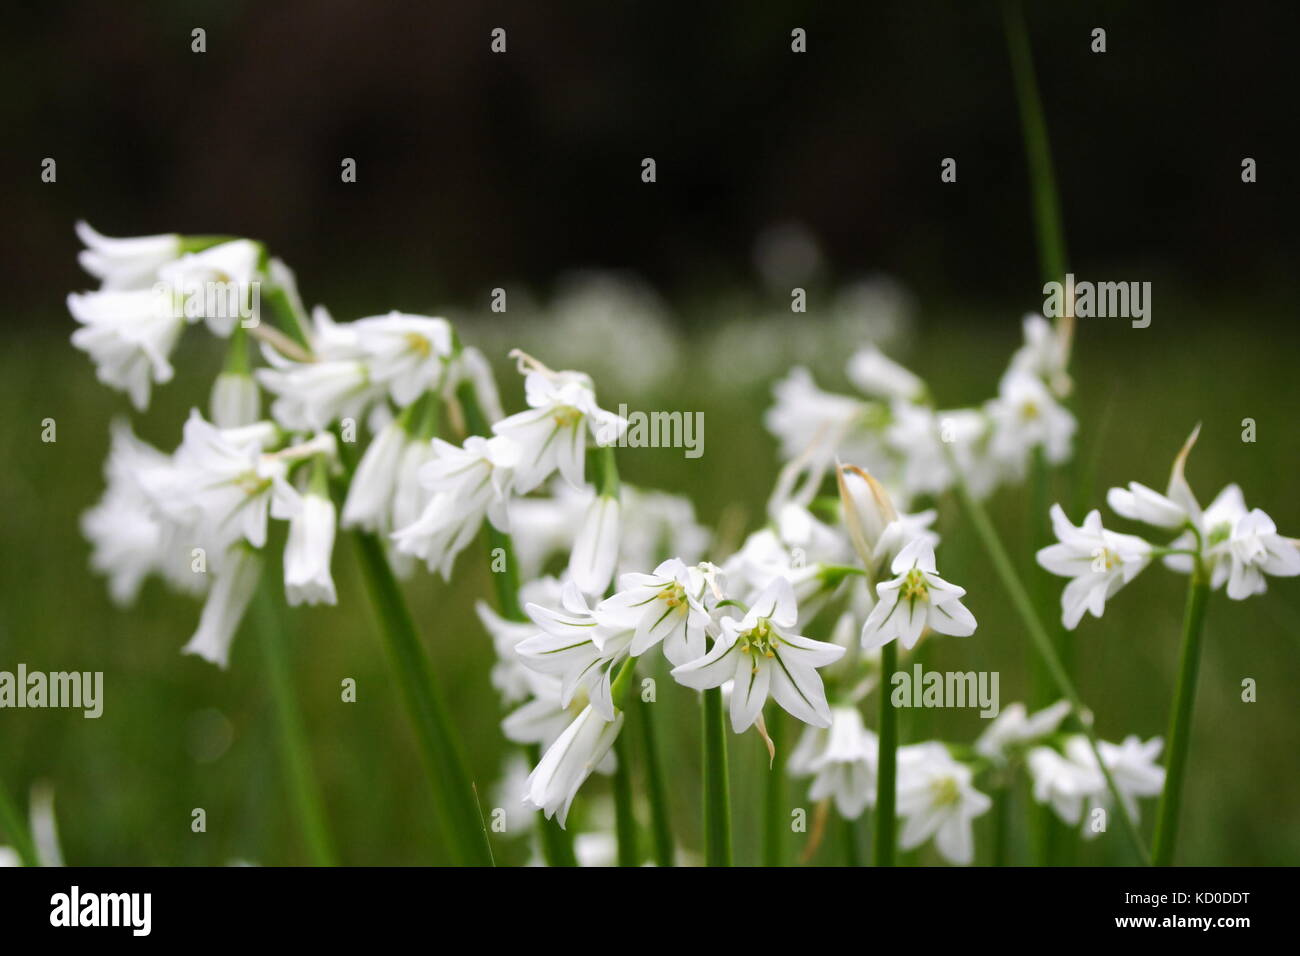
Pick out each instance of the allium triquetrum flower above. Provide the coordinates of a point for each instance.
(1100, 562)
(915, 599)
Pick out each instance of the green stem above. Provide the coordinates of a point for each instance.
(660, 829)
(883, 847)
(15, 828)
(1038, 634)
(774, 800)
(304, 788)
(1038, 153)
(717, 796)
(624, 817)
(1180, 718)
(456, 802)
(1001, 824)
(852, 856)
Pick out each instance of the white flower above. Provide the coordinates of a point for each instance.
(1072, 782)
(1025, 416)
(1100, 562)
(576, 647)
(809, 421)
(130, 336)
(765, 659)
(374, 482)
(937, 799)
(405, 353)
(230, 487)
(655, 525)
(1253, 549)
(841, 760)
(595, 551)
(914, 600)
(1134, 768)
(235, 400)
(878, 375)
(215, 285)
(1140, 503)
(125, 263)
(231, 592)
(473, 367)
(866, 509)
(468, 484)
(1044, 354)
(312, 395)
(510, 677)
(569, 761)
(1014, 728)
(307, 552)
(664, 606)
(552, 434)
(1066, 785)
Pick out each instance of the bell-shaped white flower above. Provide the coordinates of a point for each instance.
(125, 263)
(1071, 781)
(235, 401)
(1045, 354)
(308, 550)
(576, 647)
(1025, 416)
(665, 606)
(407, 354)
(1098, 561)
(1253, 549)
(915, 599)
(311, 396)
(842, 761)
(228, 599)
(569, 761)
(552, 433)
(468, 484)
(764, 657)
(937, 799)
(1137, 502)
(595, 550)
(130, 336)
(512, 680)
(370, 495)
(217, 284)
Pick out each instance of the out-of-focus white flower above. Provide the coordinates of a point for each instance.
(130, 336)
(512, 680)
(235, 400)
(1140, 503)
(407, 354)
(595, 550)
(1015, 728)
(918, 435)
(228, 599)
(569, 761)
(656, 525)
(468, 483)
(1063, 784)
(842, 761)
(1253, 549)
(370, 495)
(1071, 782)
(765, 658)
(915, 599)
(308, 550)
(473, 367)
(312, 395)
(125, 263)
(1098, 561)
(575, 646)
(867, 510)
(1026, 416)
(552, 434)
(808, 421)
(878, 375)
(216, 284)
(937, 798)
(664, 606)
(1044, 354)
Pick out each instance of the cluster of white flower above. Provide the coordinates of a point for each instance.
(1226, 542)
(913, 448)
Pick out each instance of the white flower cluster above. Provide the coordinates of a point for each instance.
(1226, 542)
(895, 432)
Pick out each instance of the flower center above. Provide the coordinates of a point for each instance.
(674, 595)
(915, 586)
(566, 416)
(761, 639)
(419, 344)
(945, 792)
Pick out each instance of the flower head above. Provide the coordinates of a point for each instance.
(1098, 561)
(915, 599)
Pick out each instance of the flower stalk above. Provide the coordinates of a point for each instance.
(883, 848)
(717, 788)
(1180, 717)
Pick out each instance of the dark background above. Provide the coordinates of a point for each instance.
(476, 169)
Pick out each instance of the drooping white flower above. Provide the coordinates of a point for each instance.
(1044, 354)
(842, 761)
(511, 678)
(876, 374)
(569, 761)
(765, 658)
(1098, 561)
(1026, 416)
(1137, 502)
(130, 336)
(312, 395)
(235, 401)
(915, 599)
(232, 589)
(370, 495)
(937, 799)
(655, 525)
(575, 646)
(1253, 549)
(1063, 784)
(1015, 728)
(407, 354)
(595, 550)
(308, 550)
(808, 421)
(665, 606)
(125, 263)
(468, 483)
(228, 485)
(1072, 781)
(552, 433)
(217, 285)
(472, 366)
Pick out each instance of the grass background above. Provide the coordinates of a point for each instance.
(176, 733)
